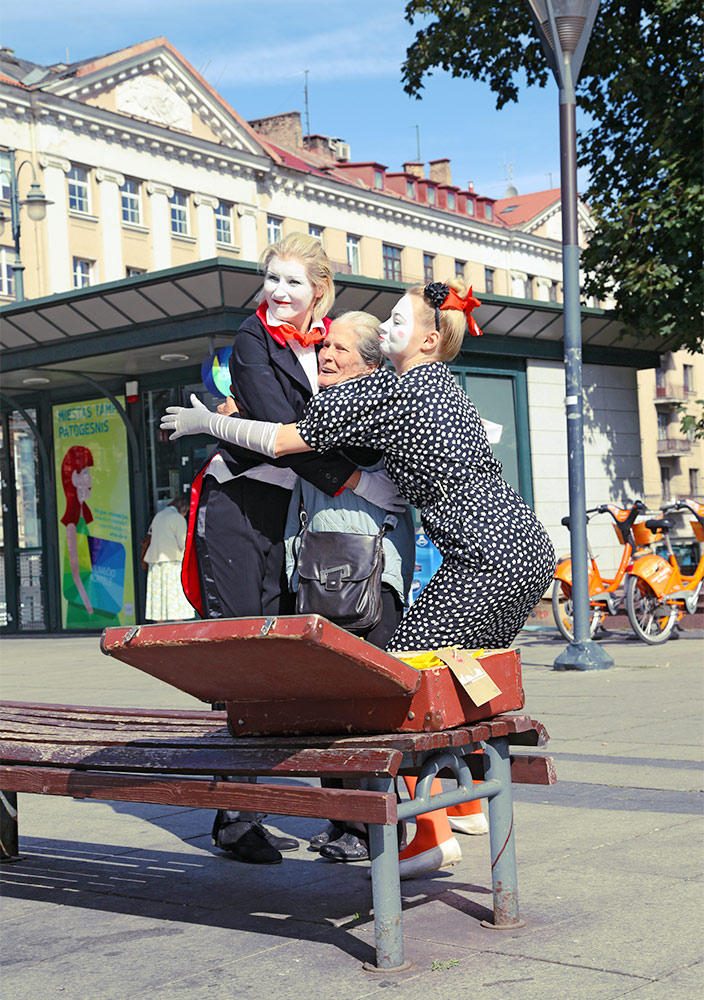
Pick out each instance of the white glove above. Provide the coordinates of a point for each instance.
(377, 488)
(254, 435)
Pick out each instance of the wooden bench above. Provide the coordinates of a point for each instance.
(170, 757)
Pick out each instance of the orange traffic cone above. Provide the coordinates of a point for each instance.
(434, 845)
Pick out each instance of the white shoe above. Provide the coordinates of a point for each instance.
(442, 856)
(473, 825)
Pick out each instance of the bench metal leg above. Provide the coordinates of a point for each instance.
(386, 892)
(504, 876)
(9, 838)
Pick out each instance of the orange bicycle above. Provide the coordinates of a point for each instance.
(604, 598)
(658, 594)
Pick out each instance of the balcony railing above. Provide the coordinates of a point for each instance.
(674, 446)
(671, 393)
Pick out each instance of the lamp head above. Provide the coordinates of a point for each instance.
(36, 203)
(571, 21)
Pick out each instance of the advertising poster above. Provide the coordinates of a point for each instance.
(93, 509)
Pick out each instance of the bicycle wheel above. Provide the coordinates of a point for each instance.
(651, 620)
(564, 616)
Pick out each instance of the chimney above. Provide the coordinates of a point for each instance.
(470, 187)
(415, 168)
(440, 171)
(284, 130)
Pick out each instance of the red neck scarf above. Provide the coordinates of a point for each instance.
(286, 332)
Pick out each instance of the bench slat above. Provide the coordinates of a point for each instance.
(177, 759)
(340, 804)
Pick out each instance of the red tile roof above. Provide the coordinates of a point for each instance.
(525, 207)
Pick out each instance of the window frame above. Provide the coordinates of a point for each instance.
(316, 231)
(131, 202)
(452, 201)
(428, 267)
(77, 271)
(460, 268)
(392, 262)
(223, 216)
(177, 207)
(489, 276)
(7, 273)
(79, 190)
(353, 242)
(274, 228)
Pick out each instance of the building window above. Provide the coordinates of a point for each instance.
(132, 272)
(459, 269)
(4, 177)
(694, 483)
(378, 180)
(528, 286)
(428, 267)
(552, 291)
(665, 483)
(451, 201)
(470, 206)
(131, 202)
(392, 262)
(274, 228)
(223, 222)
(663, 424)
(7, 275)
(78, 190)
(82, 272)
(488, 279)
(688, 378)
(179, 213)
(660, 376)
(410, 189)
(488, 212)
(316, 232)
(431, 195)
(353, 254)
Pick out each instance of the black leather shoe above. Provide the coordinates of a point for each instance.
(277, 842)
(327, 835)
(253, 848)
(348, 847)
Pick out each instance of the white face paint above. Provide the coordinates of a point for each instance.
(288, 292)
(395, 334)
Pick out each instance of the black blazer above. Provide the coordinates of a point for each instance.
(269, 383)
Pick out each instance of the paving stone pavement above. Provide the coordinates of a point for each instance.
(120, 901)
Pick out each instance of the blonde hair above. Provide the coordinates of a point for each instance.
(453, 323)
(366, 328)
(309, 251)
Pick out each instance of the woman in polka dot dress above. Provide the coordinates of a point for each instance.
(497, 557)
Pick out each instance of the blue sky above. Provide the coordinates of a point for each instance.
(255, 53)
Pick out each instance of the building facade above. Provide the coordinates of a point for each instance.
(148, 170)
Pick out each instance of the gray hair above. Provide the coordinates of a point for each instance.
(366, 328)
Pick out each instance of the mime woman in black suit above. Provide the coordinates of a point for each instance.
(234, 561)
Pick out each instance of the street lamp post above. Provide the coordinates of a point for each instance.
(36, 210)
(564, 27)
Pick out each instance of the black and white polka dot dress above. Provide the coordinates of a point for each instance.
(497, 557)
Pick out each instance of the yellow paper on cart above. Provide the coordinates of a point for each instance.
(464, 665)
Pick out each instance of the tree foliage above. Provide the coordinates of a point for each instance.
(641, 85)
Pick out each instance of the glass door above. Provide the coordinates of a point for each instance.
(22, 581)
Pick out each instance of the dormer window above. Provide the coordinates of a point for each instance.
(410, 189)
(431, 195)
(488, 212)
(378, 180)
(451, 201)
(470, 206)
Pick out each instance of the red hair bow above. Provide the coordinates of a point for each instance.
(466, 305)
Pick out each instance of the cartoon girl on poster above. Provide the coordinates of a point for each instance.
(89, 605)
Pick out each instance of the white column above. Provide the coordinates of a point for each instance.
(59, 277)
(542, 289)
(161, 224)
(110, 221)
(249, 245)
(205, 216)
